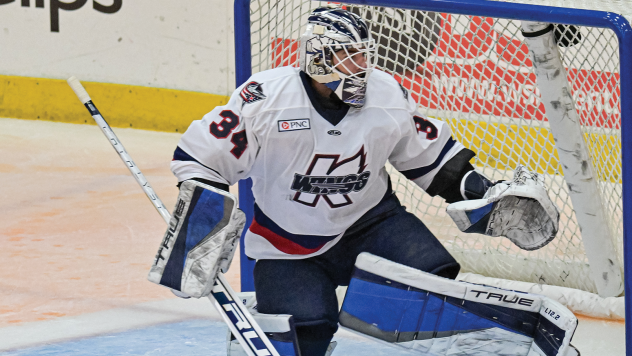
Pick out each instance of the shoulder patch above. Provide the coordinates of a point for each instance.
(252, 92)
(404, 91)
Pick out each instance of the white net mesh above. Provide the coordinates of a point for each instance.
(475, 73)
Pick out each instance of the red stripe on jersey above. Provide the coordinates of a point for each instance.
(280, 243)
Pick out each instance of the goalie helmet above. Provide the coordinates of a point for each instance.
(337, 32)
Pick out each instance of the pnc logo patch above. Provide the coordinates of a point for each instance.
(293, 125)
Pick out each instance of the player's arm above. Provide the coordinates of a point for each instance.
(446, 172)
(519, 210)
(456, 180)
(206, 223)
(428, 155)
(221, 148)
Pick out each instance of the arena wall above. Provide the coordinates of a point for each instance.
(150, 64)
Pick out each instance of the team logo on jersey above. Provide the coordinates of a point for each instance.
(332, 179)
(293, 125)
(252, 92)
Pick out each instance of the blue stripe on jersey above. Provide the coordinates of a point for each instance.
(180, 155)
(306, 241)
(418, 172)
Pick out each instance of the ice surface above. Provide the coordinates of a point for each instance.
(191, 338)
(78, 233)
(79, 236)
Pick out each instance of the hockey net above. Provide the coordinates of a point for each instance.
(475, 74)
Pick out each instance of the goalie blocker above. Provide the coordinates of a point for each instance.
(437, 316)
(200, 240)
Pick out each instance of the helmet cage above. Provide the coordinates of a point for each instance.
(346, 77)
(328, 34)
(347, 65)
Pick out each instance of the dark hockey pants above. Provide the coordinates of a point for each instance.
(305, 288)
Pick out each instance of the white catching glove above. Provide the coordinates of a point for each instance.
(520, 210)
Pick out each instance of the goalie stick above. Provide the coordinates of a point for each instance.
(228, 304)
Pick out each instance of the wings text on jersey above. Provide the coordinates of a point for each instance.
(225, 127)
(252, 92)
(332, 179)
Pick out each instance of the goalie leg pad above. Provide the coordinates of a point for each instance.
(200, 240)
(438, 316)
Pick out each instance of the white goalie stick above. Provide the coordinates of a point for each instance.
(228, 304)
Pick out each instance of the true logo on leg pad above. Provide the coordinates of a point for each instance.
(438, 316)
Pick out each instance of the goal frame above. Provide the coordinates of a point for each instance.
(514, 11)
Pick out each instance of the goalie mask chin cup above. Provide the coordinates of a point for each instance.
(331, 31)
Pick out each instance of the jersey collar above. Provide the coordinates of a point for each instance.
(333, 116)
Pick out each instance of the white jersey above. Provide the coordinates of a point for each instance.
(311, 179)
